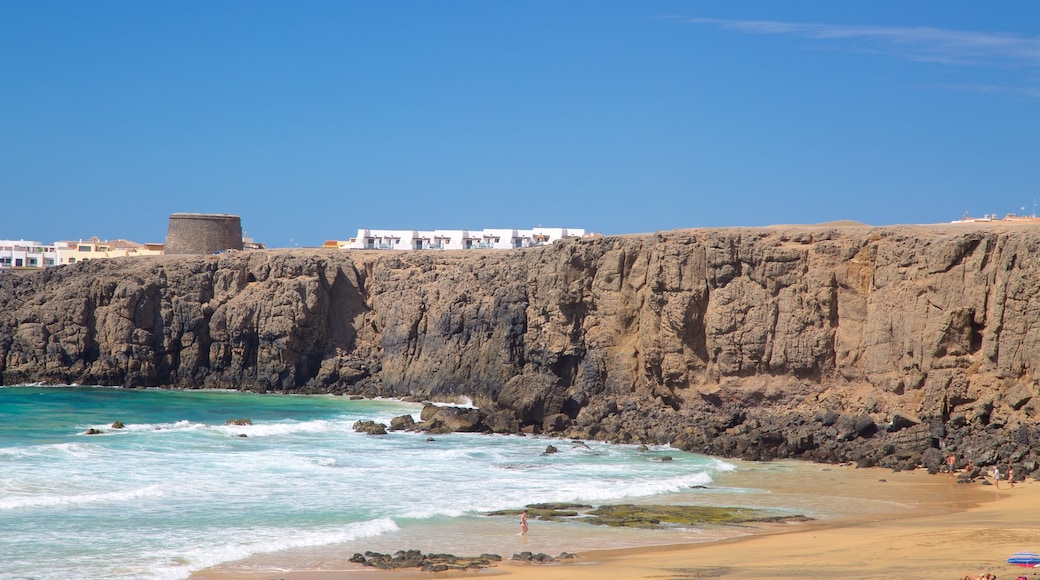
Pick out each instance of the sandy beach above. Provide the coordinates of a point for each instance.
(941, 529)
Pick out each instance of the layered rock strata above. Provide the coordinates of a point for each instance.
(888, 346)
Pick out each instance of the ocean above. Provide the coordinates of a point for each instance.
(177, 490)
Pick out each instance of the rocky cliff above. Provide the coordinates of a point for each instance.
(876, 345)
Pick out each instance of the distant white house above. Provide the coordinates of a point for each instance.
(499, 239)
(25, 254)
(18, 254)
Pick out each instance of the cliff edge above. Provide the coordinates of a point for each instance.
(885, 346)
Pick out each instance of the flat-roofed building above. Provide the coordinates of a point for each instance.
(70, 252)
(489, 238)
(25, 254)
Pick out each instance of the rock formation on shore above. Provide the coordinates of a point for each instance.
(885, 346)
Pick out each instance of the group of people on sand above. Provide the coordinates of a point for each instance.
(971, 472)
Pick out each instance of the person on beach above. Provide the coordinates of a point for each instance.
(996, 476)
(523, 523)
(1011, 475)
(951, 462)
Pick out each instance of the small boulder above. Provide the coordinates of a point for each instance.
(402, 423)
(370, 427)
(539, 558)
(555, 423)
(550, 449)
(118, 425)
(238, 422)
(900, 422)
(1017, 397)
(502, 421)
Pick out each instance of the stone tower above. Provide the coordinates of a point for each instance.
(203, 233)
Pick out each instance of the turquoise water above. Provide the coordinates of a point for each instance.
(177, 490)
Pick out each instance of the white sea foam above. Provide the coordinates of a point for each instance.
(183, 425)
(180, 564)
(287, 428)
(81, 450)
(462, 401)
(35, 501)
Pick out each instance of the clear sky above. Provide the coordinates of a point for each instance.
(312, 119)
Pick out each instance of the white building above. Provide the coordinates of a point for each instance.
(28, 254)
(25, 254)
(499, 239)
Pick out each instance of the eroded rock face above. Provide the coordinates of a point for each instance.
(831, 343)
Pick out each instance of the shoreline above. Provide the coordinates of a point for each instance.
(911, 524)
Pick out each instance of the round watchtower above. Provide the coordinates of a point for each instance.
(203, 233)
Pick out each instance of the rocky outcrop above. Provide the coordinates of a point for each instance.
(833, 343)
(425, 562)
(370, 427)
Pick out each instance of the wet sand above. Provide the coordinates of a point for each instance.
(898, 525)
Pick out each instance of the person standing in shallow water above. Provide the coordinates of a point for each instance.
(523, 523)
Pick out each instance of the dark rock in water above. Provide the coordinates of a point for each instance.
(402, 423)
(430, 439)
(442, 419)
(501, 421)
(118, 425)
(552, 512)
(550, 449)
(238, 422)
(243, 435)
(370, 427)
(92, 431)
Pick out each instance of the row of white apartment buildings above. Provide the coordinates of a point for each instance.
(498, 239)
(18, 254)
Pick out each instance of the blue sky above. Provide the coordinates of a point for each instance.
(313, 119)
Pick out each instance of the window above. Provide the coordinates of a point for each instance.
(48, 262)
(33, 263)
(18, 263)
(84, 248)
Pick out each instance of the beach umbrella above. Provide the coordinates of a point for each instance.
(1025, 559)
